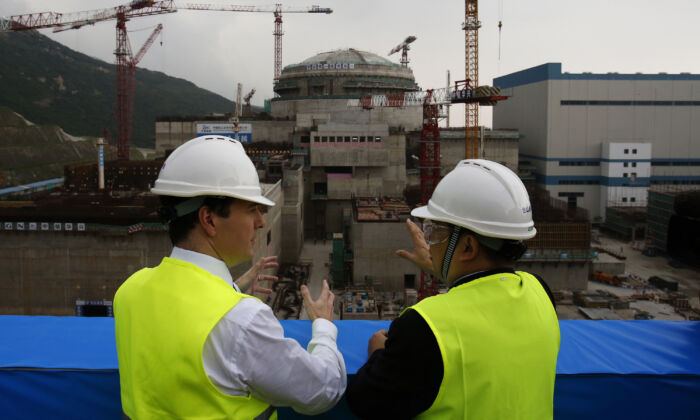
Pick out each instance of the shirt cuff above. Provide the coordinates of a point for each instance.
(324, 327)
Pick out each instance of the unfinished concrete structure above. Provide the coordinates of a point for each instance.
(58, 249)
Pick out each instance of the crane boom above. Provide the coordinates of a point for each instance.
(146, 45)
(461, 92)
(63, 21)
(239, 8)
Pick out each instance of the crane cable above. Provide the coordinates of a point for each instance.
(500, 24)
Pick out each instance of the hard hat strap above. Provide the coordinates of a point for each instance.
(188, 206)
(451, 246)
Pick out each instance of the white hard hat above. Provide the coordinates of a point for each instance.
(484, 197)
(210, 165)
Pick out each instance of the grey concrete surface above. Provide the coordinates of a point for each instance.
(318, 252)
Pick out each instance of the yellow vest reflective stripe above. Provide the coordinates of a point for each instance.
(163, 316)
(499, 339)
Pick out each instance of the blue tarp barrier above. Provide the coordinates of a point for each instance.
(66, 367)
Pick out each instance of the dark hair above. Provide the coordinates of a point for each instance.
(180, 227)
(505, 254)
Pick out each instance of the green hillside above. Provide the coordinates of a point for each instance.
(31, 153)
(50, 84)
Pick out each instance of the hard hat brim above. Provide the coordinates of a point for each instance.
(422, 213)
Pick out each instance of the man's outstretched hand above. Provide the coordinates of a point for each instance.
(420, 255)
(321, 307)
(249, 282)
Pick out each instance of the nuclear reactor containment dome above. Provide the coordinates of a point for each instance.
(343, 74)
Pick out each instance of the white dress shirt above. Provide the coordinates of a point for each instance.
(247, 353)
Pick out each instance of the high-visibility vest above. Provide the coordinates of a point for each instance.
(163, 316)
(499, 340)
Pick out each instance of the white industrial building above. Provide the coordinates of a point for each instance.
(599, 140)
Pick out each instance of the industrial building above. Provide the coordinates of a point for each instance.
(335, 171)
(601, 140)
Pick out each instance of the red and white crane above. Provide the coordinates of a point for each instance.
(403, 47)
(126, 62)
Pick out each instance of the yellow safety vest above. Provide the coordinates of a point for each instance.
(499, 340)
(163, 316)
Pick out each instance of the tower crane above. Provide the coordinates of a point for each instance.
(403, 47)
(126, 62)
(277, 10)
(471, 27)
(465, 91)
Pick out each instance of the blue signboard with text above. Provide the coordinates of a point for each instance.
(245, 131)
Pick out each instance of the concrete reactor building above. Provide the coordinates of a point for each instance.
(601, 140)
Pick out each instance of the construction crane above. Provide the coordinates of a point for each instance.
(126, 63)
(403, 47)
(247, 99)
(277, 10)
(471, 27)
(429, 162)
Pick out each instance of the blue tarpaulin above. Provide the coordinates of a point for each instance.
(66, 367)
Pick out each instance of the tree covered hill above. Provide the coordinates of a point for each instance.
(50, 84)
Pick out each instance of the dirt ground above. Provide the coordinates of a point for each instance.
(644, 267)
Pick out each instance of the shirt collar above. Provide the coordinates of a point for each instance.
(206, 262)
(479, 274)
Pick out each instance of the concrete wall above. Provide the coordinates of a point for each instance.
(292, 214)
(338, 111)
(559, 275)
(45, 272)
(170, 135)
(374, 245)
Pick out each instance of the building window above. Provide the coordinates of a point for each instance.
(331, 139)
(632, 199)
(320, 188)
(377, 139)
(634, 151)
(627, 151)
(347, 139)
(354, 139)
(304, 139)
(624, 199)
(316, 139)
(324, 139)
(624, 164)
(633, 176)
(362, 139)
(624, 175)
(634, 164)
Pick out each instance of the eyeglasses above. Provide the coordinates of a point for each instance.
(435, 234)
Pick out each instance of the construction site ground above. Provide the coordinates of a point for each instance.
(642, 266)
(636, 263)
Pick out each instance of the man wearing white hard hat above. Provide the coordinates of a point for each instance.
(486, 349)
(190, 342)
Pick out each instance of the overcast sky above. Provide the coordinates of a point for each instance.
(217, 50)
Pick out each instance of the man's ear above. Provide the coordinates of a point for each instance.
(206, 220)
(468, 248)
